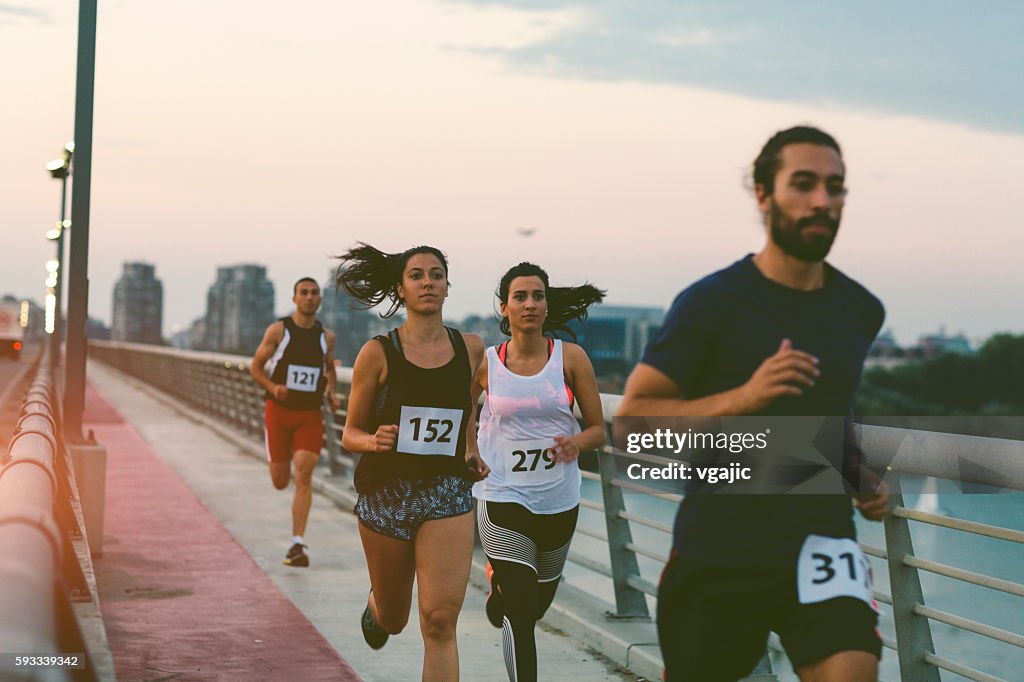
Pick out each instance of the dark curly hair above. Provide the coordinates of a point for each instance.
(768, 162)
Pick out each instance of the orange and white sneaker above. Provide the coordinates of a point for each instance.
(495, 611)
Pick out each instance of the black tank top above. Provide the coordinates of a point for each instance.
(298, 363)
(431, 408)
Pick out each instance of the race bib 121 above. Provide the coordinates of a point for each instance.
(833, 567)
(302, 378)
(429, 431)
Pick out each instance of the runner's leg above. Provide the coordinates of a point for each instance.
(305, 463)
(521, 599)
(307, 440)
(392, 568)
(846, 666)
(278, 441)
(444, 550)
(712, 621)
(505, 531)
(832, 641)
(553, 540)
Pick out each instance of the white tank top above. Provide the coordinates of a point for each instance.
(518, 422)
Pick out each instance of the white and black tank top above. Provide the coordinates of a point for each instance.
(299, 364)
(518, 422)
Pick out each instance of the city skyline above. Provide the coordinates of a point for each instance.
(621, 138)
(339, 310)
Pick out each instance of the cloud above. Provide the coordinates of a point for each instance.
(946, 61)
(697, 37)
(40, 16)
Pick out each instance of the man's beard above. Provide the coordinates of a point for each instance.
(788, 235)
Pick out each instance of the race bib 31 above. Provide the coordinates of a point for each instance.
(833, 567)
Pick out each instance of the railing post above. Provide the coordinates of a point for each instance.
(629, 601)
(332, 441)
(913, 632)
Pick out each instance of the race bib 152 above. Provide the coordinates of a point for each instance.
(429, 431)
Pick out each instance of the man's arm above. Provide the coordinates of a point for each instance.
(869, 491)
(652, 393)
(331, 374)
(271, 338)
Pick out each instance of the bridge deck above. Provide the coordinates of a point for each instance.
(191, 580)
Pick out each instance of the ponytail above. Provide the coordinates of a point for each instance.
(566, 304)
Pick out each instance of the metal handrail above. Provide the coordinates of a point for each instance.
(219, 383)
(30, 540)
(969, 625)
(41, 539)
(997, 532)
(960, 669)
(945, 570)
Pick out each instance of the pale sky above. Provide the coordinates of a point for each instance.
(234, 132)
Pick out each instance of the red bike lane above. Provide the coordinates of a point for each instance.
(181, 600)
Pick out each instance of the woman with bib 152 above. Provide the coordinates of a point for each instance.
(408, 413)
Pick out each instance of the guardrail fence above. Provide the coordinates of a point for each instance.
(42, 543)
(220, 385)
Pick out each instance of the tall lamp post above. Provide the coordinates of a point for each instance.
(60, 169)
(78, 254)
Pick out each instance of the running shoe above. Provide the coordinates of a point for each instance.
(374, 635)
(493, 607)
(297, 556)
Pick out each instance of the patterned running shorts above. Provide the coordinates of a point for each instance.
(400, 506)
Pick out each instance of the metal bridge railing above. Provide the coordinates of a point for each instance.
(220, 385)
(41, 540)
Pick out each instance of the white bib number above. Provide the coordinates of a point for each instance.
(833, 567)
(302, 378)
(530, 462)
(429, 431)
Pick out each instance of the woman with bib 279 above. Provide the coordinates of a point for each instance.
(530, 441)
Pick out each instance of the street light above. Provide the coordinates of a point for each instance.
(59, 169)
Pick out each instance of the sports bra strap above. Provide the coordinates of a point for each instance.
(396, 341)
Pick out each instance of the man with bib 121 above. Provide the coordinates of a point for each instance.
(778, 333)
(295, 366)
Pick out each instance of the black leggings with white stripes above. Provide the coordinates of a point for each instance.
(527, 552)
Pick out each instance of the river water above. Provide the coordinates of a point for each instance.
(998, 558)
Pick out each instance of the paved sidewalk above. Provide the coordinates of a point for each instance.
(180, 598)
(232, 496)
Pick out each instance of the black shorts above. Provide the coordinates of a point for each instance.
(400, 506)
(713, 622)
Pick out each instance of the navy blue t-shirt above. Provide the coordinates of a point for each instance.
(717, 333)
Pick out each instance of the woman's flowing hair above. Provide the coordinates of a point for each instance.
(565, 304)
(371, 276)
